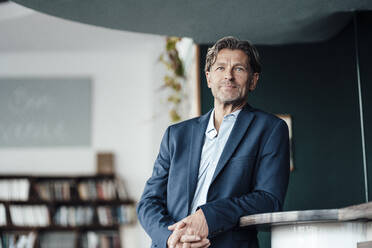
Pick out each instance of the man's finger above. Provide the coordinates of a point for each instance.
(171, 227)
(177, 225)
(209, 244)
(201, 244)
(174, 238)
(189, 238)
(186, 245)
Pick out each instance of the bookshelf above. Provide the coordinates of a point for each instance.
(63, 211)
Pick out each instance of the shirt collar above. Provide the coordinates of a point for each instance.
(211, 131)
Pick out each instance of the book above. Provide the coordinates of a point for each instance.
(29, 215)
(14, 189)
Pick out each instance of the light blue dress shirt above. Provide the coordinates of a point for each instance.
(214, 144)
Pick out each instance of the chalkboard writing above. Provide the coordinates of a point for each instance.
(45, 112)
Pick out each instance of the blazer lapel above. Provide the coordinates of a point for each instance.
(197, 141)
(241, 126)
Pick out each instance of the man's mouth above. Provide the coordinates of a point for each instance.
(229, 86)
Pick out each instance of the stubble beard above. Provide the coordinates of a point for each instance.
(230, 98)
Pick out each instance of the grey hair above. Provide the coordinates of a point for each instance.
(233, 43)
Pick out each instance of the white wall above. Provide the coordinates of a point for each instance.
(125, 82)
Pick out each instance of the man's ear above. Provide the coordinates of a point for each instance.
(253, 83)
(207, 76)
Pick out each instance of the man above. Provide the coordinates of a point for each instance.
(212, 170)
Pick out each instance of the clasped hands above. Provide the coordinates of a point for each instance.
(190, 232)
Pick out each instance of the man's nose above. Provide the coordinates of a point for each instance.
(228, 74)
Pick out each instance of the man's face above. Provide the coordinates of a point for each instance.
(230, 77)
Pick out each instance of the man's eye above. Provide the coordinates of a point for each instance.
(220, 68)
(239, 69)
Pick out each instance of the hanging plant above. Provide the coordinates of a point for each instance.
(175, 77)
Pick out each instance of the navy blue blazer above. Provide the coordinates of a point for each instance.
(251, 177)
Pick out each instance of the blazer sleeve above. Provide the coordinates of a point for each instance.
(270, 185)
(151, 209)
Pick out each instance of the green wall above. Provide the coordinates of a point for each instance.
(317, 85)
(364, 31)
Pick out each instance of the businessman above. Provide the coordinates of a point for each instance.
(214, 169)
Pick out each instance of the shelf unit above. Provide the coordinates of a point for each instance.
(100, 199)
